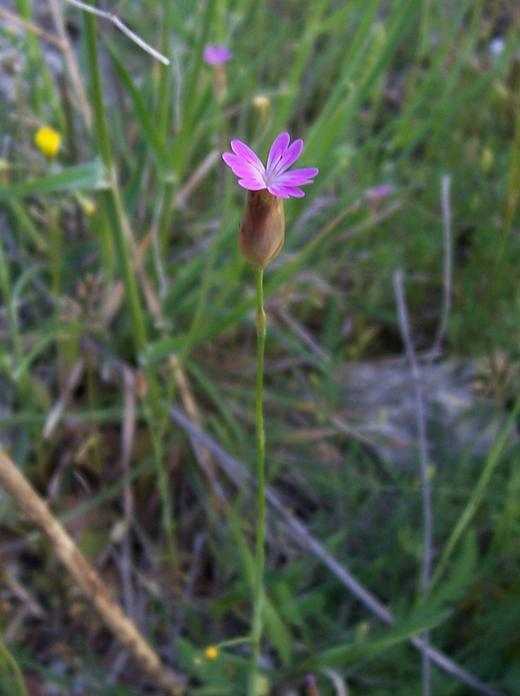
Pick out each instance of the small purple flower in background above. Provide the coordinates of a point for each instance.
(275, 177)
(312, 687)
(379, 192)
(216, 55)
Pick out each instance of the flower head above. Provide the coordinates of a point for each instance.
(312, 687)
(216, 55)
(275, 177)
(211, 652)
(48, 141)
(379, 192)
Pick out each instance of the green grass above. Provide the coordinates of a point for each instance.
(399, 93)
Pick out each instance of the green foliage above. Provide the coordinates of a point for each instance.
(11, 679)
(399, 93)
(82, 177)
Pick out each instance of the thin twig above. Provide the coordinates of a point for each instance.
(57, 410)
(239, 476)
(109, 16)
(30, 26)
(71, 62)
(127, 443)
(404, 324)
(447, 264)
(63, 546)
(304, 335)
(202, 454)
(196, 178)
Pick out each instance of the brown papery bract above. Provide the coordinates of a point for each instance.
(262, 230)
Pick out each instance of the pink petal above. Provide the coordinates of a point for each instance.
(254, 177)
(286, 191)
(216, 55)
(252, 184)
(297, 177)
(289, 157)
(239, 166)
(280, 191)
(278, 148)
(245, 152)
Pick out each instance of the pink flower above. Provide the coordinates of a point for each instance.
(379, 192)
(275, 177)
(216, 55)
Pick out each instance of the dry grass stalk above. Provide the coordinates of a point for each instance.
(87, 577)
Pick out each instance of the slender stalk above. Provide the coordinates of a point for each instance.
(164, 90)
(256, 631)
(9, 302)
(404, 324)
(8, 662)
(55, 252)
(112, 203)
(43, 95)
(114, 215)
(183, 139)
(6, 294)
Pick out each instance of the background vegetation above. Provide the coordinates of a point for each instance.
(123, 294)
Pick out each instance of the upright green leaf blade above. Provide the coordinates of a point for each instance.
(81, 177)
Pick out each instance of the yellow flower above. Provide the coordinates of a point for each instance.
(48, 141)
(211, 652)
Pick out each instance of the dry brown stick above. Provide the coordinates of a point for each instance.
(87, 577)
(57, 410)
(202, 454)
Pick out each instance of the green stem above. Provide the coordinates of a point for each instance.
(12, 319)
(164, 91)
(55, 252)
(7, 661)
(115, 217)
(185, 137)
(43, 94)
(12, 323)
(256, 631)
(110, 199)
